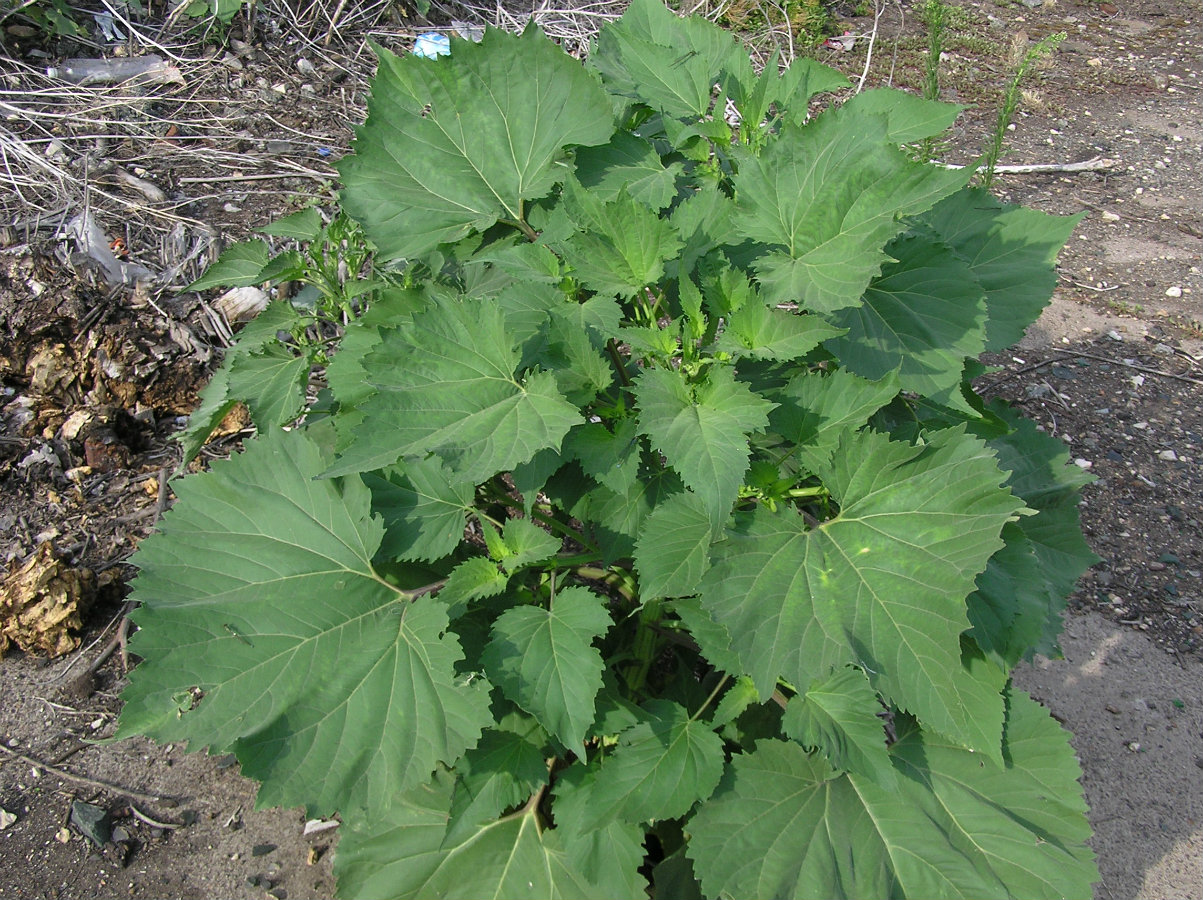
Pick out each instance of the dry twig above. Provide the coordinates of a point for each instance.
(82, 779)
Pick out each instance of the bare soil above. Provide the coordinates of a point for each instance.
(95, 378)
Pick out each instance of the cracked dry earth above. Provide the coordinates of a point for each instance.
(1114, 367)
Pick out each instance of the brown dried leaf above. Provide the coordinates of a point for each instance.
(41, 601)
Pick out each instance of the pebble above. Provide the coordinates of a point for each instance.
(1174, 291)
(1168, 455)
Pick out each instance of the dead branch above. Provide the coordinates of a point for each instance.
(1096, 164)
(81, 779)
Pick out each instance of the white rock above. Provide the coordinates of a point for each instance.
(1174, 291)
(1168, 455)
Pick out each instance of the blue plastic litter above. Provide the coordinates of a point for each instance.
(432, 44)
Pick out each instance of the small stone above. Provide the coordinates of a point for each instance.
(92, 822)
(1174, 291)
(63, 835)
(1168, 455)
(262, 849)
(6, 819)
(1083, 463)
(1134, 746)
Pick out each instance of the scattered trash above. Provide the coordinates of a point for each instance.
(241, 304)
(145, 69)
(468, 31)
(147, 189)
(92, 822)
(843, 43)
(316, 826)
(108, 26)
(41, 603)
(431, 45)
(92, 243)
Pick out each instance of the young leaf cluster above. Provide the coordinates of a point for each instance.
(652, 529)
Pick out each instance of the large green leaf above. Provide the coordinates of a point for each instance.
(271, 382)
(667, 62)
(448, 385)
(908, 118)
(786, 92)
(826, 198)
(619, 246)
(783, 824)
(408, 852)
(1012, 253)
(500, 772)
(815, 409)
(627, 162)
(238, 379)
(1016, 609)
(544, 660)
(423, 507)
(673, 549)
(702, 430)
(660, 768)
(238, 266)
(922, 317)
(882, 585)
(613, 850)
(453, 145)
(839, 717)
(264, 630)
(758, 332)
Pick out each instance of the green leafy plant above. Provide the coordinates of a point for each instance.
(653, 529)
(1026, 59)
(268, 367)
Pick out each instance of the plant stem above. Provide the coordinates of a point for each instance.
(646, 646)
(718, 687)
(1011, 102)
(619, 365)
(559, 527)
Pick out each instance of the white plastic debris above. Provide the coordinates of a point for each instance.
(432, 45)
(241, 304)
(145, 69)
(316, 826)
(92, 242)
(843, 43)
